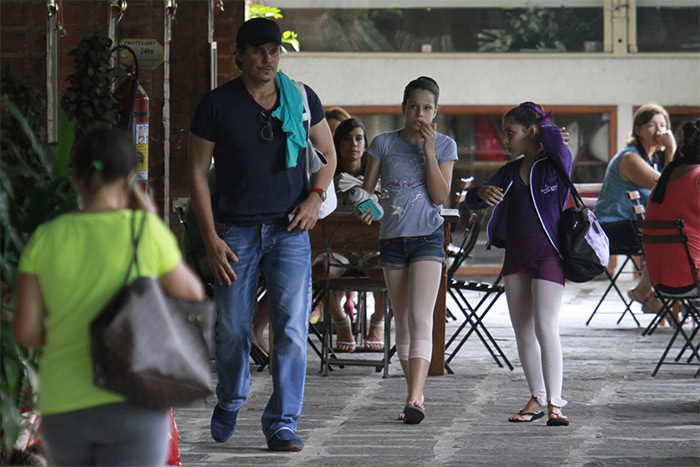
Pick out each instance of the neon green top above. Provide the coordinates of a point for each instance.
(80, 260)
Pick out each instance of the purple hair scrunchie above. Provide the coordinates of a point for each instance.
(538, 111)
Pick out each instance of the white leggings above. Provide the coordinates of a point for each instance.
(413, 291)
(534, 306)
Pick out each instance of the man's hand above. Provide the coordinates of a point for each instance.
(306, 213)
(219, 256)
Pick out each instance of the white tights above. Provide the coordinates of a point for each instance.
(413, 291)
(534, 306)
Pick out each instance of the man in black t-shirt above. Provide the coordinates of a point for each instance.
(252, 127)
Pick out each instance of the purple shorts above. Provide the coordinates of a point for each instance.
(539, 260)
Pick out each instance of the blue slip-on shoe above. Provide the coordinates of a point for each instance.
(223, 424)
(285, 440)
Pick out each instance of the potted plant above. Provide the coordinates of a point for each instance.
(34, 187)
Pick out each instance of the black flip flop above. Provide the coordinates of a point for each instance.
(557, 421)
(533, 416)
(412, 414)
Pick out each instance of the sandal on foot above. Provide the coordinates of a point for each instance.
(517, 418)
(344, 346)
(413, 414)
(650, 302)
(556, 418)
(371, 344)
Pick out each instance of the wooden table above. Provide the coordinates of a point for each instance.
(341, 228)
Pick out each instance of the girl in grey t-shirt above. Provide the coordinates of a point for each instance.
(415, 164)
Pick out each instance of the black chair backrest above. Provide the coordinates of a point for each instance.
(677, 237)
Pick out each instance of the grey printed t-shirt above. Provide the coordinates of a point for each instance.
(408, 210)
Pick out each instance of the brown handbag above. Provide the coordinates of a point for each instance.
(149, 347)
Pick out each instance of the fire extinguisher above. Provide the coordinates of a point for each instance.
(133, 115)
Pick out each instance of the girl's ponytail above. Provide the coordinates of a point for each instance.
(688, 152)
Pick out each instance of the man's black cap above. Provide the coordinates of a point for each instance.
(258, 31)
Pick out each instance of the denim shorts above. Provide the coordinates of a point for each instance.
(399, 252)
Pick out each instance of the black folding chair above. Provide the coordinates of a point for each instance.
(473, 314)
(674, 236)
(464, 219)
(629, 253)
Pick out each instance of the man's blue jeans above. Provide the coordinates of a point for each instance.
(285, 260)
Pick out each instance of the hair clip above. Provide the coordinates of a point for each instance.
(538, 111)
(97, 165)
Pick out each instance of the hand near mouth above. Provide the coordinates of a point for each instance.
(428, 131)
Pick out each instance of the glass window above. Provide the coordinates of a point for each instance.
(668, 28)
(444, 27)
(479, 138)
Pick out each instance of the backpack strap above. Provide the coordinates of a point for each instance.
(564, 177)
(306, 116)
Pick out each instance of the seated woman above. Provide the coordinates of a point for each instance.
(632, 169)
(350, 140)
(677, 196)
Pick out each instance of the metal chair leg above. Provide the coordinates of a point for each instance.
(476, 326)
(613, 284)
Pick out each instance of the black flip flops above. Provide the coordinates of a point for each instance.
(413, 414)
(533, 416)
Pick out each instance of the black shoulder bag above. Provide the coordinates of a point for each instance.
(582, 242)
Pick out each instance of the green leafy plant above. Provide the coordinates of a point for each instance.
(544, 29)
(89, 98)
(34, 187)
(259, 10)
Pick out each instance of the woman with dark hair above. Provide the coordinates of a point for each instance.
(351, 138)
(350, 141)
(632, 169)
(677, 196)
(71, 267)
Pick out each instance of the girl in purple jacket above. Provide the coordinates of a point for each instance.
(528, 200)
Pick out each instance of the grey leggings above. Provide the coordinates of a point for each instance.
(110, 434)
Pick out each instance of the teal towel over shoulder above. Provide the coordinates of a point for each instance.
(290, 112)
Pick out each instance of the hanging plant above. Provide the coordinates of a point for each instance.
(89, 98)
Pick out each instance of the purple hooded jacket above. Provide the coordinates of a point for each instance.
(548, 194)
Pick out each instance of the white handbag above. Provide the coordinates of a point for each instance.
(314, 159)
